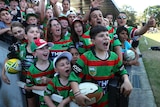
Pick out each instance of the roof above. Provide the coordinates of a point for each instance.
(109, 6)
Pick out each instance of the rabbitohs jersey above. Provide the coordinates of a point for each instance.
(90, 68)
(55, 87)
(34, 78)
(26, 58)
(131, 31)
(84, 43)
(93, 68)
(60, 46)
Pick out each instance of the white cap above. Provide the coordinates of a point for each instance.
(70, 12)
(68, 55)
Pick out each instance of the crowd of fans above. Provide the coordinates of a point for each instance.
(92, 41)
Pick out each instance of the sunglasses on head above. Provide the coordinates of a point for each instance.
(122, 17)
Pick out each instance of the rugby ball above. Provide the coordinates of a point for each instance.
(91, 90)
(129, 55)
(13, 66)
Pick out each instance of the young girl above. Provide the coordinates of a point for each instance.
(81, 42)
(122, 33)
(75, 54)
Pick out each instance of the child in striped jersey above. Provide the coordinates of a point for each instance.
(40, 72)
(98, 65)
(60, 84)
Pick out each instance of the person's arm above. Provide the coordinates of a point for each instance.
(80, 98)
(2, 31)
(151, 23)
(117, 50)
(94, 4)
(4, 76)
(42, 10)
(49, 102)
(135, 61)
(64, 102)
(126, 86)
(55, 7)
(34, 87)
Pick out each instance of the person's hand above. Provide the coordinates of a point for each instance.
(126, 88)
(5, 79)
(45, 80)
(27, 88)
(61, 104)
(81, 99)
(151, 22)
(53, 2)
(96, 3)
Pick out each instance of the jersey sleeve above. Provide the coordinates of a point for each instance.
(30, 80)
(77, 71)
(50, 89)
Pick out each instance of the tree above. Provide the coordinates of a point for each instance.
(131, 13)
(152, 11)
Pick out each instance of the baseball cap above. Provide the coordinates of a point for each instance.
(62, 17)
(4, 9)
(70, 12)
(31, 14)
(68, 55)
(39, 43)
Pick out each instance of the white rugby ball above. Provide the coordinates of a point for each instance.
(129, 55)
(91, 90)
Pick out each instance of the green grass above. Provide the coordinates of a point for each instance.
(151, 61)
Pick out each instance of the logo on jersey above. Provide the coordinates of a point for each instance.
(92, 71)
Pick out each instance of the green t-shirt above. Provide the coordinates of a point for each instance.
(60, 46)
(84, 43)
(55, 87)
(90, 68)
(34, 78)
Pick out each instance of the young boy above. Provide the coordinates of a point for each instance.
(60, 84)
(5, 24)
(40, 72)
(98, 65)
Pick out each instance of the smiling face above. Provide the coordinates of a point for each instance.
(42, 53)
(18, 32)
(2, 4)
(64, 23)
(96, 18)
(78, 28)
(63, 67)
(6, 17)
(75, 55)
(101, 41)
(66, 5)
